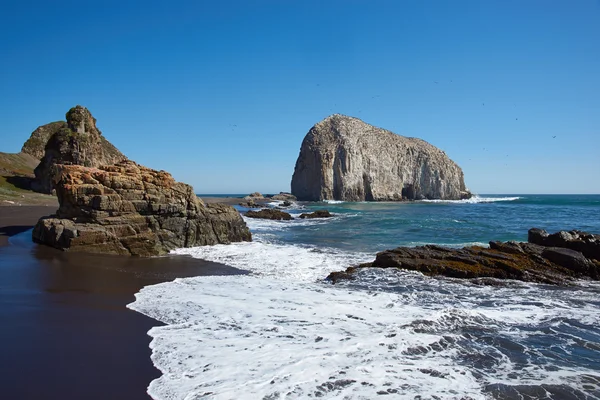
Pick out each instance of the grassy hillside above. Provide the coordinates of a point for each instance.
(16, 173)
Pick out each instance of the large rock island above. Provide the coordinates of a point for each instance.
(344, 158)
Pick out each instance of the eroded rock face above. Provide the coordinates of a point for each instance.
(551, 259)
(36, 144)
(76, 142)
(344, 158)
(129, 209)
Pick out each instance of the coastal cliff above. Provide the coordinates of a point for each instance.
(75, 142)
(128, 209)
(344, 158)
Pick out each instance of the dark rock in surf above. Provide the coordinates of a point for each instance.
(554, 261)
(586, 243)
(249, 204)
(269, 213)
(316, 214)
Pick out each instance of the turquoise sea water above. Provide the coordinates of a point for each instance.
(377, 226)
(282, 332)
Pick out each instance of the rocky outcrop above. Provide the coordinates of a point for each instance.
(269, 213)
(586, 243)
(344, 158)
(553, 260)
(76, 142)
(249, 204)
(36, 144)
(129, 209)
(316, 214)
(254, 196)
(283, 196)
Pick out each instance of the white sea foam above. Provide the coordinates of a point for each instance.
(474, 200)
(279, 203)
(285, 262)
(333, 201)
(249, 337)
(281, 333)
(259, 224)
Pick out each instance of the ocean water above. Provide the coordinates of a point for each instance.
(282, 332)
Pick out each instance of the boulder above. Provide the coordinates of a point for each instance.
(129, 209)
(269, 213)
(76, 142)
(254, 196)
(317, 214)
(249, 204)
(344, 158)
(551, 262)
(283, 196)
(587, 244)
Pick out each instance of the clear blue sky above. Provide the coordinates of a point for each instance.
(222, 93)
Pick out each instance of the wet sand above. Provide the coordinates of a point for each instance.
(66, 333)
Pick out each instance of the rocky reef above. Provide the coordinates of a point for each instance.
(557, 258)
(344, 158)
(128, 209)
(75, 142)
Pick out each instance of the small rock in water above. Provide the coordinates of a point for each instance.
(268, 213)
(316, 214)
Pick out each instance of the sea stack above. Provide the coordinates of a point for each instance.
(75, 142)
(344, 158)
(112, 205)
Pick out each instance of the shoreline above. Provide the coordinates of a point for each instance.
(69, 332)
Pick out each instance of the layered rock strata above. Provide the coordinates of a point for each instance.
(344, 158)
(75, 142)
(553, 259)
(128, 209)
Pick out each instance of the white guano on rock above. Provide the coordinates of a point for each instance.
(344, 158)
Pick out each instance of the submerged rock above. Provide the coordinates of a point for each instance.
(129, 209)
(552, 261)
(76, 142)
(316, 214)
(344, 158)
(269, 213)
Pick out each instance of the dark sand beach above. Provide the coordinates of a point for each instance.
(66, 333)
